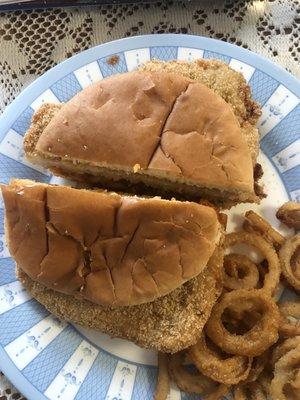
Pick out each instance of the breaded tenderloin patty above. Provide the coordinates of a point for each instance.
(169, 324)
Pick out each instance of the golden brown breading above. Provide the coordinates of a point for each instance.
(168, 324)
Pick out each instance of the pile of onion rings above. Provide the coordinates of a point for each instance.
(250, 345)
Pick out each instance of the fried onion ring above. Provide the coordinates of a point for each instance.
(218, 393)
(249, 391)
(163, 381)
(253, 391)
(265, 379)
(185, 380)
(194, 383)
(286, 382)
(289, 318)
(284, 347)
(254, 223)
(271, 278)
(229, 371)
(289, 214)
(240, 272)
(258, 365)
(256, 340)
(263, 269)
(289, 256)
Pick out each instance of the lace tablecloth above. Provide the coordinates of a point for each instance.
(31, 42)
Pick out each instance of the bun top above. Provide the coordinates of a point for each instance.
(109, 249)
(156, 122)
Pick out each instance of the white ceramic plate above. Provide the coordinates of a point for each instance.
(49, 359)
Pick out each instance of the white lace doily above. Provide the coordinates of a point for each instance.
(7, 391)
(31, 42)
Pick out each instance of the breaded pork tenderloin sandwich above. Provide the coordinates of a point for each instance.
(143, 269)
(160, 129)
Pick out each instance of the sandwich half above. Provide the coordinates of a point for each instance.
(143, 269)
(159, 129)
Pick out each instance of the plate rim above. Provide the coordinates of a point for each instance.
(39, 85)
(17, 379)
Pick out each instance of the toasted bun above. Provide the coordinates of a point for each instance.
(157, 128)
(168, 324)
(109, 249)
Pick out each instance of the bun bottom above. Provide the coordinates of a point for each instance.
(169, 324)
